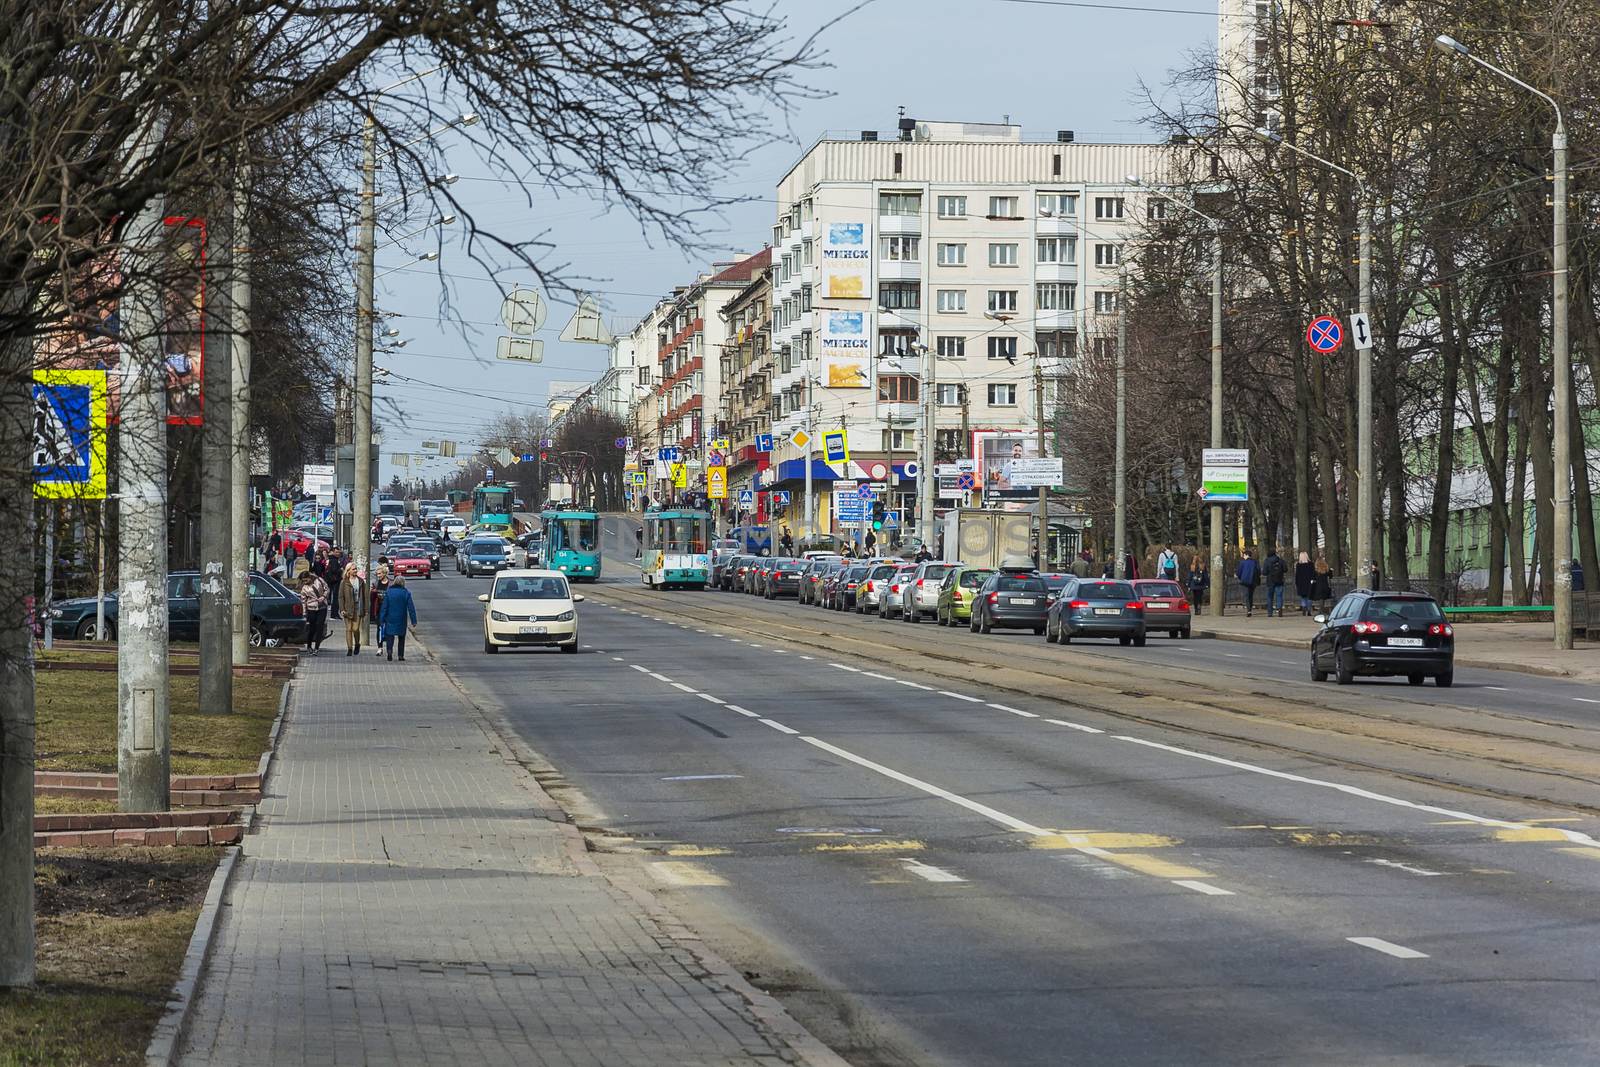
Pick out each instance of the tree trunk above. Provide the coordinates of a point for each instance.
(1444, 459)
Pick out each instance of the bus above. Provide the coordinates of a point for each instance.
(572, 543)
(676, 543)
(491, 505)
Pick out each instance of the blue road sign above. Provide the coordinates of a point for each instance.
(1325, 335)
(864, 491)
(664, 455)
(966, 481)
(763, 442)
(527, 457)
(747, 496)
(621, 442)
(891, 520)
(327, 515)
(780, 496)
(69, 439)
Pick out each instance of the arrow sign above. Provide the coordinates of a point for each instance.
(1361, 331)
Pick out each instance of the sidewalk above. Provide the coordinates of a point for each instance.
(413, 896)
(1507, 646)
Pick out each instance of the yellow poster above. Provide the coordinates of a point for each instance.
(680, 475)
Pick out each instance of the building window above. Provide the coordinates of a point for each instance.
(949, 443)
(899, 440)
(899, 203)
(1003, 207)
(952, 255)
(896, 343)
(1058, 205)
(1104, 347)
(1002, 395)
(952, 301)
(900, 295)
(1108, 207)
(1056, 344)
(1002, 300)
(950, 347)
(949, 395)
(1003, 348)
(1105, 302)
(1107, 255)
(644, 375)
(1156, 208)
(1056, 296)
(806, 247)
(1062, 250)
(1002, 255)
(805, 298)
(897, 389)
(900, 248)
(952, 207)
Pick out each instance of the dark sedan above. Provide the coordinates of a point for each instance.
(1096, 607)
(843, 585)
(811, 582)
(1384, 633)
(782, 578)
(1011, 601)
(276, 613)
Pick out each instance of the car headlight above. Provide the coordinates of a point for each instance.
(567, 616)
(499, 616)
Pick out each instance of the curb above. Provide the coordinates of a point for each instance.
(169, 1031)
(269, 757)
(766, 1009)
(1464, 661)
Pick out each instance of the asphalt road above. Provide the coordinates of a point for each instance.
(936, 872)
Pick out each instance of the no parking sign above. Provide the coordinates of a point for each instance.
(1325, 335)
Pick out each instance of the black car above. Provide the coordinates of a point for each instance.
(1378, 632)
(1096, 607)
(731, 576)
(782, 577)
(276, 612)
(842, 586)
(1011, 601)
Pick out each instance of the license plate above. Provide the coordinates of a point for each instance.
(1108, 611)
(1158, 604)
(530, 630)
(1024, 600)
(1406, 642)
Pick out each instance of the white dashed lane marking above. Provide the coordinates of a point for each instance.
(961, 696)
(1388, 948)
(777, 726)
(1203, 887)
(712, 699)
(928, 872)
(1014, 711)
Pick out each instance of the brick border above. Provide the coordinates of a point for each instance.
(162, 1050)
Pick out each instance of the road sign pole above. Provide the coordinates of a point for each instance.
(1366, 485)
(811, 504)
(1120, 525)
(1218, 589)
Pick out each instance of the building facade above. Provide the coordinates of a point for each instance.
(746, 407)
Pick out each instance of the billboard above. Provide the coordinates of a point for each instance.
(996, 451)
(846, 261)
(845, 346)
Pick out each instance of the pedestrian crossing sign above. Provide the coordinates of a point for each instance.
(69, 434)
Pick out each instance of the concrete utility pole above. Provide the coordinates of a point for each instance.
(1042, 553)
(361, 421)
(1119, 535)
(811, 503)
(143, 733)
(216, 476)
(1218, 588)
(925, 477)
(239, 455)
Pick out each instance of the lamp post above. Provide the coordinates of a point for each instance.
(1218, 589)
(1366, 474)
(1562, 542)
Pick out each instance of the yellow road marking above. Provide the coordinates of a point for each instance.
(1156, 868)
(1332, 837)
(696, 850)
(1530, 833)
(1100, 839)
(1587, 853)
(674, 872)
(874, 846)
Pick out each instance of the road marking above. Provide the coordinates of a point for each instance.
(1587, 853)
(1014, 711)
(698, 778)
(778, 726)
(875, 674)
(1388, 948)
(591, 646)
(928, 872)
(1530, 833)
(1586, 700)
(699, 631)
(617, 658)
(747, 713)
(913, 685)
(1233, 655)
(1497, 688)
(1008, 821)
(961, 696)
(658, 676)
(716, 635)
(909, 845)
(1075, 726)
(685, 688)
(736, 640)
(698, 850)
(754, 645)
(1156, 868)
(712, 699)
(1423, 871)
(808, 657)
(844, 667)
(679, 873)
(1574, 836)
(1203, 887)
(635, 666)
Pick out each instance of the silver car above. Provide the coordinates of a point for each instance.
(873, 586)
(889, 605)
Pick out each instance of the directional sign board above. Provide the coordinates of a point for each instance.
(1224, 475)
(1325, 335)
(69, 434)
(764, 442)
(848, 505)
(1360, 331)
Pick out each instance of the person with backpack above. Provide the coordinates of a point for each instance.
(1249, 575)
(1167, 564)
(1199, 582)
(1273, 571)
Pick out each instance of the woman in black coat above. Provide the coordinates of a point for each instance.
(1305, 573)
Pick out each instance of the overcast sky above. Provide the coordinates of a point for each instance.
(1047, 66)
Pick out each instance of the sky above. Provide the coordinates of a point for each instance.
(1044, 64)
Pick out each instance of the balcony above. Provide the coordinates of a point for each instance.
(894, 270)
(1055, 226)
(1055, 272)
(1056, 320)
(891, 225)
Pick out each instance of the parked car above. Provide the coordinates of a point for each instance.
(721, 553)
(816, 573)
(1376, 632)
(958, 591)
(926, 583)
(755, 575)
(889, 604)
(1166, 606)
(1096, 607)
(1011, 600)
(844, 585)
(782, 577)
(277, 614)
(869, 592)
(732, 574)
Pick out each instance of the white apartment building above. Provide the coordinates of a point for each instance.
(999, 253)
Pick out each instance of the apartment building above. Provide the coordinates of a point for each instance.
(746, 405)
(999, 253)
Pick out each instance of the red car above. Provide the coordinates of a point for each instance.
(302, 543)
(411, 560)
(1166, 606)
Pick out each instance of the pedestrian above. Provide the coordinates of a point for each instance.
(1305, 575)
(379, 586)
(1577, 577)
(1199, 582)
(1273, 572)
(334, 576)
(314, 595)
(1321, 585)
(923, 555)
(1249, 575)
(638, 542)
(274, 543)
(1167, 564)
(1083, 566)
(398, 610)
(872, 541)
(786, 542)
(352, 602)
(1110, 569)
(274, 566)
(1130, 566)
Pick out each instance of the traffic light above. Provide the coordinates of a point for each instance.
(878, 511)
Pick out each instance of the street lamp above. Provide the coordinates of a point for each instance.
(1562, 518)
(1366, 474)
(1218, 586)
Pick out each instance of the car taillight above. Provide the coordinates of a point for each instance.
(1366, 628)
(299, 609)
(1076, 604)
(1183, 605)
(1135, 605)
(895, 588)
(849, 585)
(1442, 629)
(919, 583)
(868, 587)
(994, 598)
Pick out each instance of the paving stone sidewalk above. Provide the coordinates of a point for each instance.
(410, 897)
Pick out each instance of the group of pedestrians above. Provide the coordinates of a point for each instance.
(1313, 584)
(332, 586)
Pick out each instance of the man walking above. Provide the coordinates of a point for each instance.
(1273, 570)
(1249, 574)
(398, 610)
(314, 595)
(352, 601)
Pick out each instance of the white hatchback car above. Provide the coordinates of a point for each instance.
(530, 608)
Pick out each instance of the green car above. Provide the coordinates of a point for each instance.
(959, 590)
